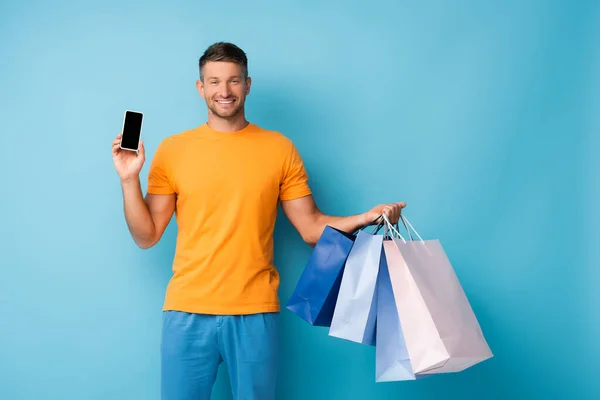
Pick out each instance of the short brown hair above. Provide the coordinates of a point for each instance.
(224, 51)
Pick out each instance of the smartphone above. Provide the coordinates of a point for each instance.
(132, 130)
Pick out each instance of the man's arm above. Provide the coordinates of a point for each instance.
(146, 219)
(310, 222)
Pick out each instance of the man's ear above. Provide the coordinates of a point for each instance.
(248, 84)
(200, 87)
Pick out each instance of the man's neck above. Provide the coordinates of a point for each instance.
(227, 125)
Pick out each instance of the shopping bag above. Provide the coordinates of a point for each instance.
(316, 292)
(391, 355)
(355, 312)
(440, 329)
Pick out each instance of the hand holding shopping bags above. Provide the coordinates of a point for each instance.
(403, 297)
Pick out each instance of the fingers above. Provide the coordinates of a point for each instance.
(392, 211)
(141, 153)
(399, 206)
(116, 147)
(116, 143)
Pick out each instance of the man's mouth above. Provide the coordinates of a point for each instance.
(225, 101)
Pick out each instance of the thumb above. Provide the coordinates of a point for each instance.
(141, 150)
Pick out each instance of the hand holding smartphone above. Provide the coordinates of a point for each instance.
(128, 148)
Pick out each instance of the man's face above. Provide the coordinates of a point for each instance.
(224, 88)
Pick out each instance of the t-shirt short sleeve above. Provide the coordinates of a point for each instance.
(159, 181)
(294, 183)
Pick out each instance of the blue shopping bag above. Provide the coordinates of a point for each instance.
(392, 361)
(316, 292)
(355, 313)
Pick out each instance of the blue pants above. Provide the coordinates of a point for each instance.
(193, 346)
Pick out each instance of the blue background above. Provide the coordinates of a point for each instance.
(483, 116)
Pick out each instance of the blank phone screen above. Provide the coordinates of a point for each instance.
(132, 129)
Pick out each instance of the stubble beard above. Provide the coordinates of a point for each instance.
(231, 114)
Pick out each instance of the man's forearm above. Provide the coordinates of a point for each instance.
(347, 224)
(310, 222)
(138, 217)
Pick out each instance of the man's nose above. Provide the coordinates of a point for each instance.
(224, 90)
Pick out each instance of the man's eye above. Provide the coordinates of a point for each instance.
(213, 82)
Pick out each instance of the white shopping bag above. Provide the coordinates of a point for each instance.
(440, 329)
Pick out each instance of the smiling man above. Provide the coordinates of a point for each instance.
(225, 180)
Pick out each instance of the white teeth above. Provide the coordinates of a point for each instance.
(225, 102)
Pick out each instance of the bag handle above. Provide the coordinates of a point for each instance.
(387, 234)
(406, 221)
(406, 224)
(380, 224)
(390, 227)
(397, 226)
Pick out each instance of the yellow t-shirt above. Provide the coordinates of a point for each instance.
(228, 186)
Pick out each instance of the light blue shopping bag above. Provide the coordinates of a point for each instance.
(355, 313)
(391, 355)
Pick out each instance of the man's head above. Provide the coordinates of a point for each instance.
(224, 82)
